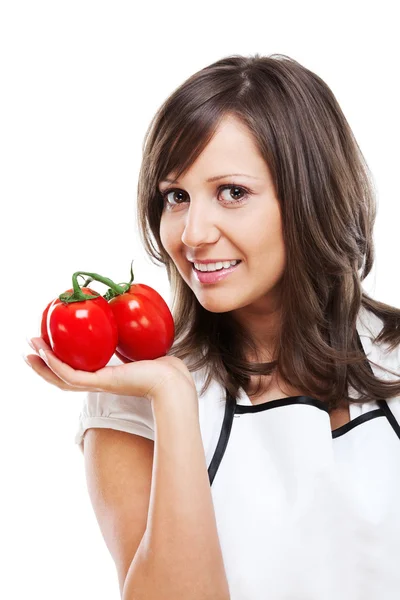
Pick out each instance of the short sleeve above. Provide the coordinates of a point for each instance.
(132, 414)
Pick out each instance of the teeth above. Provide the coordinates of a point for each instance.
(215, 266)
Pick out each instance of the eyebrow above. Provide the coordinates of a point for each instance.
(216, 177)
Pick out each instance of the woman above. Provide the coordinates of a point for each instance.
(267, 463)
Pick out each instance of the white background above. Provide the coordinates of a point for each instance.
(80, 82)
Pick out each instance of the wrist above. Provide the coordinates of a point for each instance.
(175, 394)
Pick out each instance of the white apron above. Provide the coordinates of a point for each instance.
(304, 513)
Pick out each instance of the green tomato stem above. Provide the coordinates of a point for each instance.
(87, 281)
(78, 296)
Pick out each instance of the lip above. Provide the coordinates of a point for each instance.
(213, 276)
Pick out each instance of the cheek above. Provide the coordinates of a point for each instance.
(264, 232)
(171, 241)
(166, 236)
(267, 244)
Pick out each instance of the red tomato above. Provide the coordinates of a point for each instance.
(145, 324)
(82, 334)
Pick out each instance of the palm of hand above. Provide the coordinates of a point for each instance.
(145, 378)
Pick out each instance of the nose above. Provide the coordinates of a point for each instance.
(200, 227)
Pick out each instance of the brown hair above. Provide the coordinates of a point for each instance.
(328, 209)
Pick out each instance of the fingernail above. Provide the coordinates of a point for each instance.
(43, 355)
(30, 343)
(26, 360)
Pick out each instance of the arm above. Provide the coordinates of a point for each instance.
(179, 555)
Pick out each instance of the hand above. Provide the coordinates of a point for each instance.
(145, 378)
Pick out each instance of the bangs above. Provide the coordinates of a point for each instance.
(186, 138)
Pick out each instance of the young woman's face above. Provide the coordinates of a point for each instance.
(202, 221)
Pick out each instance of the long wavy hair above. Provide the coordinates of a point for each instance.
(328, 210)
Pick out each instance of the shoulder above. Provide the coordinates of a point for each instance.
(369, 326)
(379, 353)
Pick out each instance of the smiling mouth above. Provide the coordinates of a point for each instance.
(214, 277)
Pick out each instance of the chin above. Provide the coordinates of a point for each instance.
(217, 305)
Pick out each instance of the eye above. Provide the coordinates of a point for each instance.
(176, 195)
(236, 188)
(173, 192)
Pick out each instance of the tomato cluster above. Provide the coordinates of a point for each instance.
(133, 320)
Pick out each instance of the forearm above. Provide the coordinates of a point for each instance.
(179, 556)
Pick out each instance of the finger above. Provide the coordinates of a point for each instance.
(47, 374)
(73, 377)
(38, 342)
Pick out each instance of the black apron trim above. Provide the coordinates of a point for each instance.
(372, 414)
(244, 408)
(390, 416)
(230, 405)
